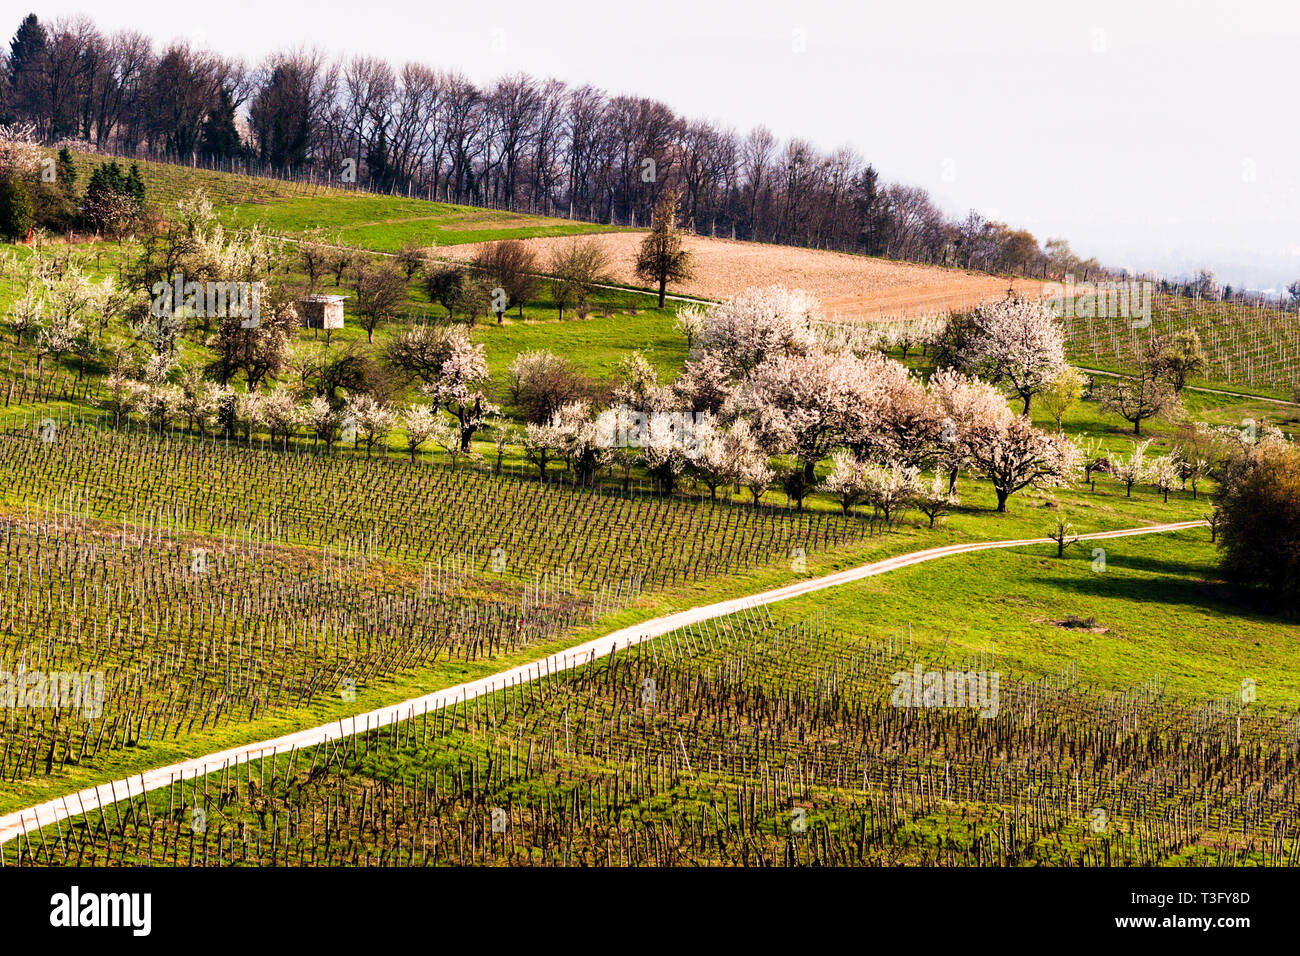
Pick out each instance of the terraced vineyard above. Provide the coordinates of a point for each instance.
(747, 741)
(1247, 346)
(193, 639)
(210, 583)
(398, 511)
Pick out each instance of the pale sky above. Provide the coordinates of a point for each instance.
(1157, 135)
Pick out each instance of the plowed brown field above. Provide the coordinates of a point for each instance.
(849, 287)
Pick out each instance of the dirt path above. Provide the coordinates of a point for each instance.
(93, 798)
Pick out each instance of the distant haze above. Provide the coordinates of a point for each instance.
(1159, 136)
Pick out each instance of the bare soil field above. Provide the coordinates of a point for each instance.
(850, 287)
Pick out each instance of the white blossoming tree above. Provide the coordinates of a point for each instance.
(665, 452)
(705, 384)
(20, 152)
(122, 396)
(935, 498)
(157, 403)
(1019, 343)
(447, 436)
(372, 418)
(807, 404)
(249, 410)
(1163, 473)
(690, 323)
(757, 325)
(965, 402)
(902, 422)
(200, 400)
(26, 314)
(542, 444)
(281, 413)
(846, 482)
(323, 419)
(890, 488)
(637, 385)
(711, 456)
(458, 387)
(1132, 468)
(757, 475)
(1013, 455)
(419, 422)
(585, 442)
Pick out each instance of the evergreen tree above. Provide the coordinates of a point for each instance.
(107, 177)
(66, 171)
(112, 198)
(15, 208)
(220, 137)
(662, 258)
(25, 52)
(134, 186)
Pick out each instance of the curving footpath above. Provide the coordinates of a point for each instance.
(103, 795)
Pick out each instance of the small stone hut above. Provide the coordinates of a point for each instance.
(322, 311)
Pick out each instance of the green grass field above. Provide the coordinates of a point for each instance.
(385, 575)
(752, 740)
(366, 220)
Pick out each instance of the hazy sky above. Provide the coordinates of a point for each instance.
(1157, 135)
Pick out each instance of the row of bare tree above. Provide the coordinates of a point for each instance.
(521, 143)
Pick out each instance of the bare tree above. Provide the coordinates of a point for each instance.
(380, 290)
(523, 142)
(577, 268)
(1143, 395)
(512, 265)
(663, 258)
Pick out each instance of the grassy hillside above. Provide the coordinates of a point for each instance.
(1247, 348)
(1250, 349)
(366, 220)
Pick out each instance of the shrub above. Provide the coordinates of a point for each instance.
(1259, 520)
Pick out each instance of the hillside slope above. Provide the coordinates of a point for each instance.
(849, 286)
